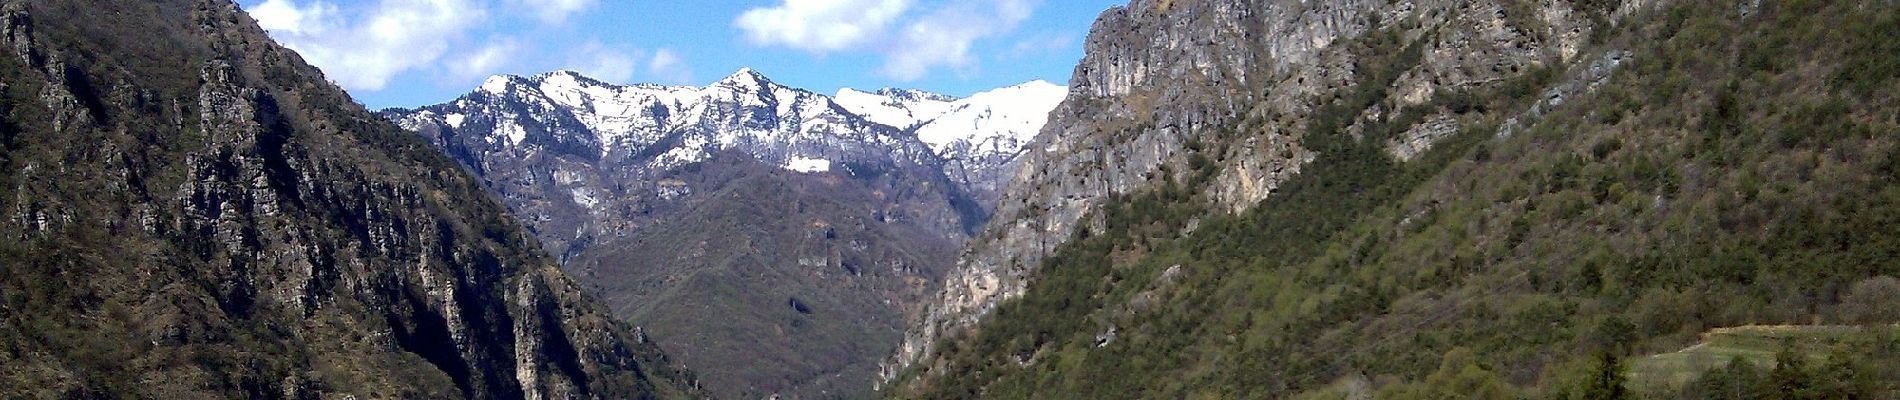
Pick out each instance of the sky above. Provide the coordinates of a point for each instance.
(409, 53)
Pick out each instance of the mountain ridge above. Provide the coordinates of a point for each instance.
(653, 128)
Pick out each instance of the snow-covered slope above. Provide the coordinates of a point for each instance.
(901, 108)
(662, 127)
(980, 138)
(998, 120)
(582, 159)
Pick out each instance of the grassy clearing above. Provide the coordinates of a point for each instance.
(1757, 344)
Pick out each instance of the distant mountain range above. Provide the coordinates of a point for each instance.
(712, 214)
(638, 132)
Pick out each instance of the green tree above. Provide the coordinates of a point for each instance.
(1459, 376)
(1607, 379)
(1843, 377)
(1791, 377)
(1614, 334)
(1739, 380)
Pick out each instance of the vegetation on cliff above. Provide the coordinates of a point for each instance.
(1739, 168)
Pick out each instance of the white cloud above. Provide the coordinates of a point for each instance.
(494, 56)
(1042, 44)
(943, 38)
(553, 11)
(599, 61)
(365, 45)
(820, 26)
(667, 67)
(286, 16)
(385, 39)
(913, 45)
(614, 65)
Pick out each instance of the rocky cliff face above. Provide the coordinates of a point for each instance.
(1167, 84)
(193, 212)
(741, 198)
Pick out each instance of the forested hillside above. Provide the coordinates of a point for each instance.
(190, 211)
(1693, 165)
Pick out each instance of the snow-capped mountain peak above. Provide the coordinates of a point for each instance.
(1013, 114)
(657, 128)
(745, 78)
(647, 129)
(569, 75)
(500, 84)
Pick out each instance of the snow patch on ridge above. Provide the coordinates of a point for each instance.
(808, 165)
(584, 197)
(514, 132)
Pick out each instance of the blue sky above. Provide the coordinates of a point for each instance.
(406, 53)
